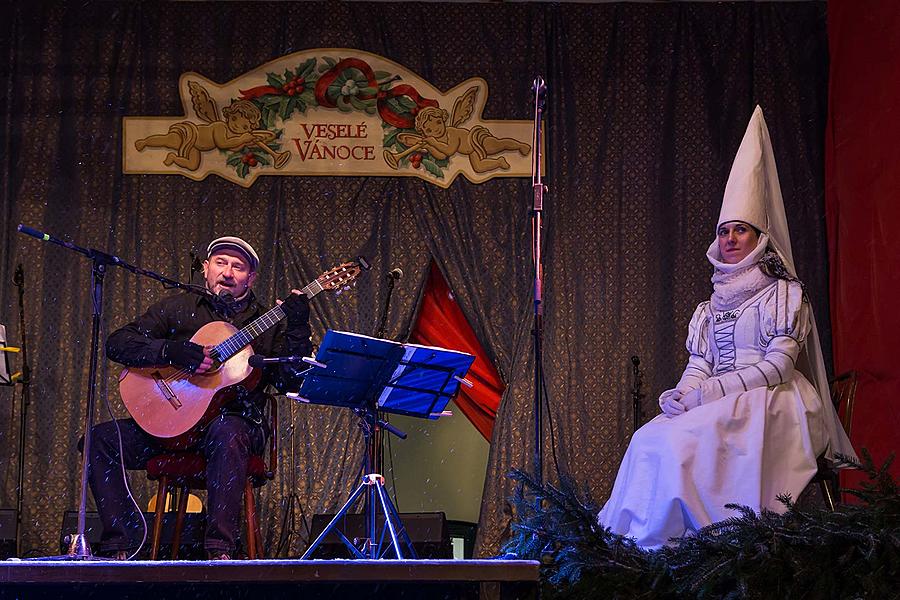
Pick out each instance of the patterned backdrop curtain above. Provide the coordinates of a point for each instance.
(647, 106)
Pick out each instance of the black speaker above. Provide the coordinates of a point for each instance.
(7, 533)
(191, 546)
(427, 531)
(465, 531)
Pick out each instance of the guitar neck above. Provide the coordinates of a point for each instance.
(231, 346)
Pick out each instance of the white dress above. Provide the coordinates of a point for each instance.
(757, 433)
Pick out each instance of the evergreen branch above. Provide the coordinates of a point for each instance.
(800, 553)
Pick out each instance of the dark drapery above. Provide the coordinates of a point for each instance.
(862, 187)
(647, 106)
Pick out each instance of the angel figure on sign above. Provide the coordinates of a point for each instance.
(440, 134)
(236, 129)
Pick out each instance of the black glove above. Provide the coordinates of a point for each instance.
(182, 354)
(296, 307)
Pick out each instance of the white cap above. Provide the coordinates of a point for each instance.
(750, 183)
(234, 243)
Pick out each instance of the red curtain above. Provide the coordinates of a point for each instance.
(862, 200)
(441, 323)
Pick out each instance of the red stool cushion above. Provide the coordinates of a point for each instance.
(190, 468)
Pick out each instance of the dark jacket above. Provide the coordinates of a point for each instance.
(140, 343)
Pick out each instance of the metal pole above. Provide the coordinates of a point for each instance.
(19, 282)
(79, 546)
(538, 188)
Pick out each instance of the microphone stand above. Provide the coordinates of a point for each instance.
(538, 188)
(289, 528)
(79, 548)
(19, 282)
(636, 394)
(392, 279)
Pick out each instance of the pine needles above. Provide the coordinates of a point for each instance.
(809, 553)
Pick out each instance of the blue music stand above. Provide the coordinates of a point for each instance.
(368, 375)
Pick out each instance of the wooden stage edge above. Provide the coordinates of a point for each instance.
(271, 580)
(268, 571)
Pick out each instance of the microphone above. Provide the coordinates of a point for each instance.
(225, 299)
(33, 232)
(258, 361)
(224, 303)
(196, 263)
(395, 274)
(539, 86)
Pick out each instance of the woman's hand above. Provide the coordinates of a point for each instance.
(669, 403)
(692, 399)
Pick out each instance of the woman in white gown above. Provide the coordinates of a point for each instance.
(746, 421)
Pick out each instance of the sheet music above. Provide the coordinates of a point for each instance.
(424, 368)
(406, 345)
(395, 376)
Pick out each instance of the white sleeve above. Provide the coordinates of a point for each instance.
(784, 324)
(699, 365)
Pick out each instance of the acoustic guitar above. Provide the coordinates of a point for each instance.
(174, 404)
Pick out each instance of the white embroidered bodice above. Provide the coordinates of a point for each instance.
(753, 345)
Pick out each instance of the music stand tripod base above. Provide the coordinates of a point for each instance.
(373, 483)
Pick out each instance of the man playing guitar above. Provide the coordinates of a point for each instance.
(161, 338)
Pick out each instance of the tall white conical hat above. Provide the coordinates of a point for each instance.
(753, 193)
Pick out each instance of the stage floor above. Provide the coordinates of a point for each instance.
(270, 579)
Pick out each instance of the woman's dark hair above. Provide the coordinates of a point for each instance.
(772, 265)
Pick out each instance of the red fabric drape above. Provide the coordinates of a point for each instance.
(862, 200)
(441, 323)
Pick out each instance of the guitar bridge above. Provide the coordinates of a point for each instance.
(166, 390)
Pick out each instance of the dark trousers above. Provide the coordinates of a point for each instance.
(227, 446)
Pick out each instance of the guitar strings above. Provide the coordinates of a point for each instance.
(249, 331)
